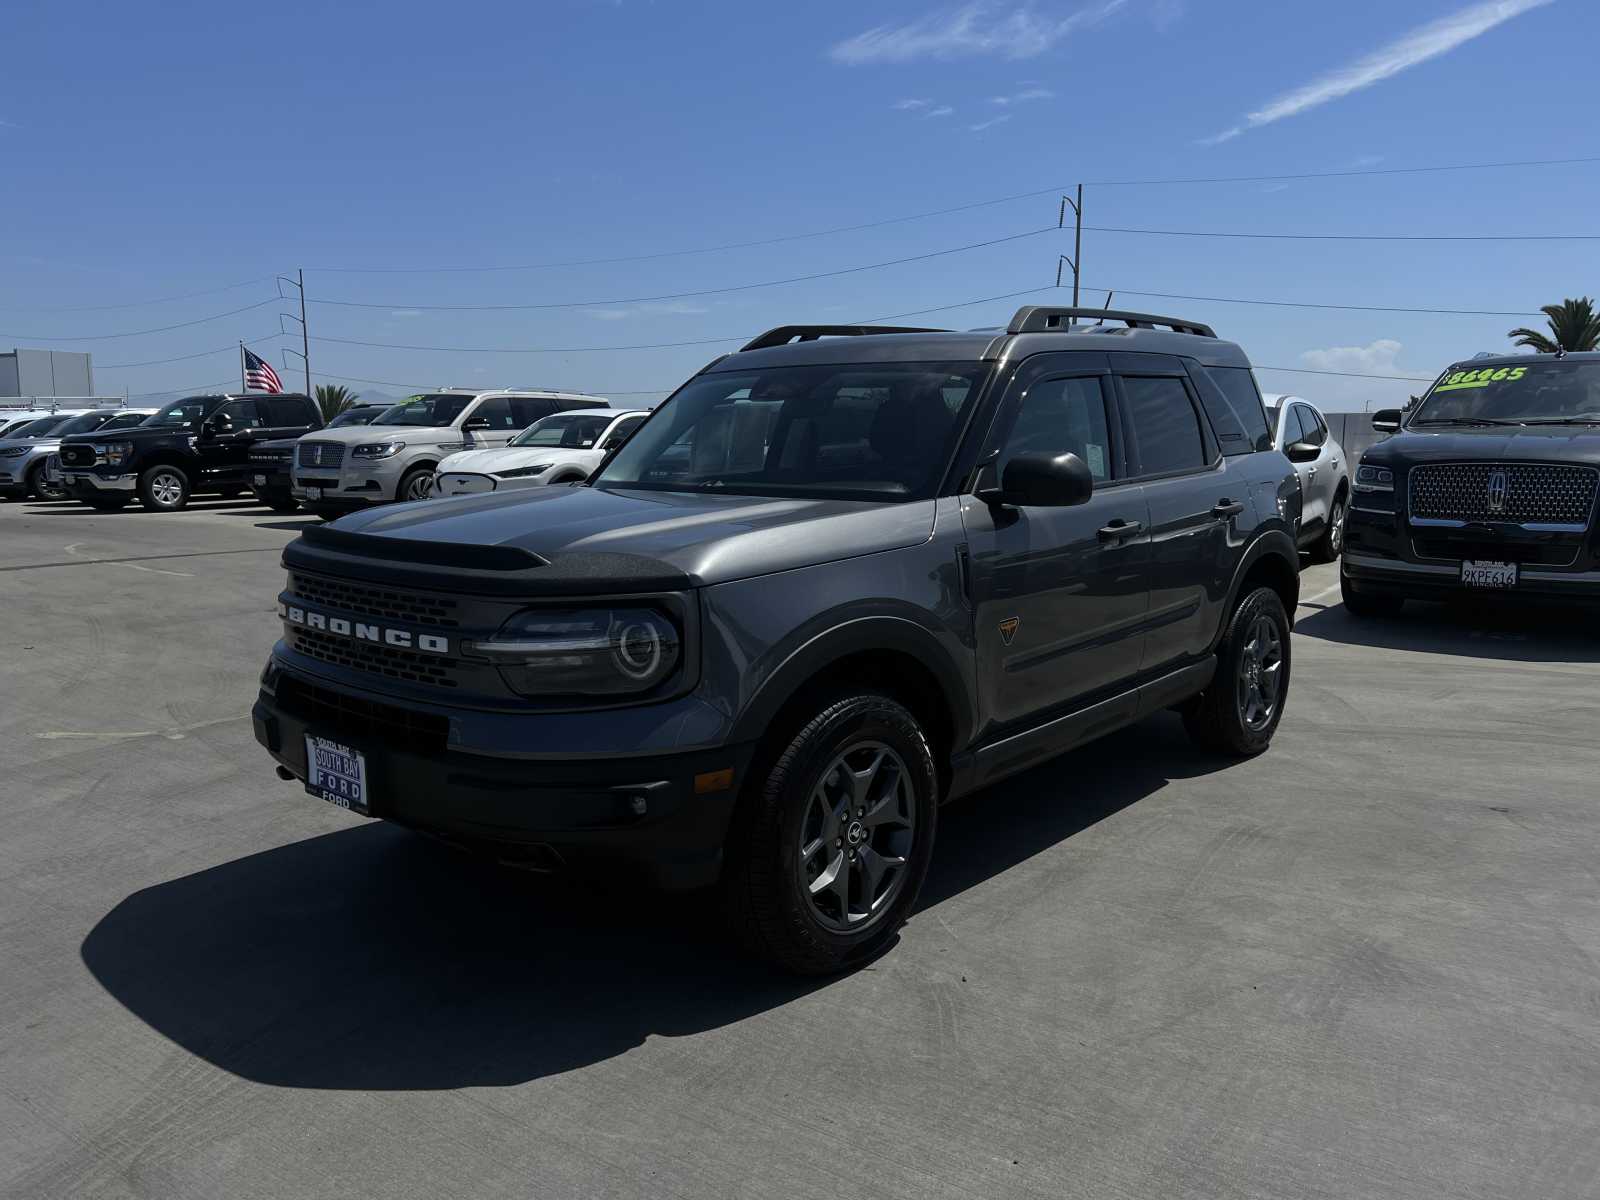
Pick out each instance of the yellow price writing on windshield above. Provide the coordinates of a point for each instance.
(1457, 380)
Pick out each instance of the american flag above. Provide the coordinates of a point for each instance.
(258, 374)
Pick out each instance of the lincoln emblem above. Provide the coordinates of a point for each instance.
(1499, 487)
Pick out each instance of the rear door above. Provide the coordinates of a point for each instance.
(1059, 594)
(1193, 542)
(288, 416)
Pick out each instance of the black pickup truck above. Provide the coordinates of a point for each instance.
(200, 444)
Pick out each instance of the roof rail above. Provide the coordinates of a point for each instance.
(784, 334)
(1035, 318)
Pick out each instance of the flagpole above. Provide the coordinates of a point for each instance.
(243, 386)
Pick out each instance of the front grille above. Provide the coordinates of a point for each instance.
(370, 601)
(327, 711)
(1528, 553)
(1528, 493)
(320, 454)
(271, 458)
(77, 456)
(410, 666)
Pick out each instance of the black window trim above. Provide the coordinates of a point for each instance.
(1208, 438)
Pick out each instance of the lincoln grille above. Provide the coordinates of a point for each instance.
(436, 670)
(375, 601)
(321, 454)
(1529, 493)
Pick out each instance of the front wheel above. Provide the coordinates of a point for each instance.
(1331, 544)
(833, 840)
(164, 489)
(1239, 711)
(41, 488)
(415, 484)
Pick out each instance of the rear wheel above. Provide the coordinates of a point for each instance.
(832, 841)
(1367, 605)
(1240, 710)
(164, 489)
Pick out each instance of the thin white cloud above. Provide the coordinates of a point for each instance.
(911, 105)
(671, 308)
(1409, 50)
(971, 30)
(405, 312)
(1023, 97)
(982, 125)
(944, 110)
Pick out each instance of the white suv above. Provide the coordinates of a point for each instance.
(394, 458)
(1301, 431)
(563, 448)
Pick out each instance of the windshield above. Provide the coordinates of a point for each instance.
(35, 429)
(83, 423)
(882, 431)
(569, 430)
(356, 416)
(424, 410)
(1545, 391)
(189, 411)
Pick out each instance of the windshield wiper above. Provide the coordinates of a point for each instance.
(1464, 421)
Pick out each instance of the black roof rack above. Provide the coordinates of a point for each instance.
(784, 334)
(1035, 318)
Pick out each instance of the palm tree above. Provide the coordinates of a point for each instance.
(333, 399)
(1574, 325)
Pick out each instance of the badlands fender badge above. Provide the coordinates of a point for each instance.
(1008, 629)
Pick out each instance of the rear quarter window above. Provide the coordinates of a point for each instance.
(1233, 403)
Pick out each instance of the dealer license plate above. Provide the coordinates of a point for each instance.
(336, 773)
(312, 493)
(259, 480)
(1485, 574)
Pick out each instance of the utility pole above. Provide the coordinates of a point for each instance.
(299, 281)
(1076, 261)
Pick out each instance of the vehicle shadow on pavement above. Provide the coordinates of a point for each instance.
(374, 959)
(1472, 630)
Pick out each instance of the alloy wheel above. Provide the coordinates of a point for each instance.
(1260, 678)
(418, 488)
(856, 836)
(1336, 529)
(167, 489)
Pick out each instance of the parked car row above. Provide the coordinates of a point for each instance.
(28, 445)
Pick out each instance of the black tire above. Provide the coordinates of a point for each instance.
(793, 798)
(409, 484)
(107, 503)
(1234, 716)
(1330, 545)
(39, 489)
(164, 488)
(1368, 605)
(281, 504)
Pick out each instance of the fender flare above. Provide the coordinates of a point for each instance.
(857, 636)
(1271, 542)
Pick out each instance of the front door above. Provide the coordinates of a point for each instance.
(1059, 594)
(1316, 479)
(224, 446)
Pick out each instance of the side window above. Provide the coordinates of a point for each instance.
(288, 412)
(124, 421)
(525, 410)
(1316, 431)
(1304, 428)
(1166, 427)
(1238, 384)
(621, 432)
(1060, 415)
(241, 414)
(497, 412)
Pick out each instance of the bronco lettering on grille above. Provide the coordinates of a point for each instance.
(361, 631)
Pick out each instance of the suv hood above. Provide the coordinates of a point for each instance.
(509, 458)
(1529, 443)
(411, 435)
(700, 538)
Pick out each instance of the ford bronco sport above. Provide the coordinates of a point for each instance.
(838, 577)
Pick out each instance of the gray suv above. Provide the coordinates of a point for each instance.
(837, 578)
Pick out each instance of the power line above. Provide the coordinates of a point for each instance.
(1441, 312)
(741, 287)
(106, 337)
(1347, 374)
(1351, 174)
(233, 349)
(136, 303)
(414, 384)
(199, 389)
(1353, 237)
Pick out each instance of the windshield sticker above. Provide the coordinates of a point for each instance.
(1457, 380)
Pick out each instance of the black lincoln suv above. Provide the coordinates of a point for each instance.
(1488, 485)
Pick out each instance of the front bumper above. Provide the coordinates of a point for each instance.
(1442, 581)
(90, 483)
(548, 812)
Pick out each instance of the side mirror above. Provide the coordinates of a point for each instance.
(1044, 481)
(473, 423)
(216, 427)
(1386, 420)
(1302, 451)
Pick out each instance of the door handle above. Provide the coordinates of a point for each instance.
(1226, 508)
(1119, 530)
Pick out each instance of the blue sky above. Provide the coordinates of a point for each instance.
(157, 150)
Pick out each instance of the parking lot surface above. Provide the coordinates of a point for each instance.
(1364, 964)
